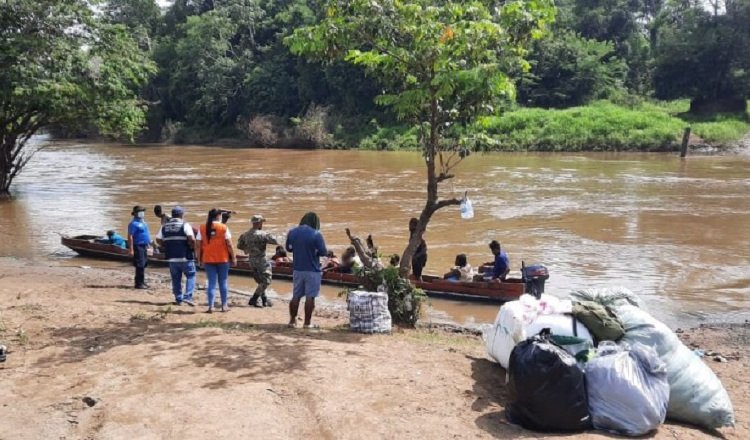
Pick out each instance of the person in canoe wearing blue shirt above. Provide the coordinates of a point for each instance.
(501, 265)
(139, 240)
(307, 245)
(114, 239)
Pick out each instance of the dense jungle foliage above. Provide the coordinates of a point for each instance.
(224, 71)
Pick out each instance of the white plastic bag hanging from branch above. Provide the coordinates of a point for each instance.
(467, 210)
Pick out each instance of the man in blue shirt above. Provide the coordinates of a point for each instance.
(138, 241)
(307, 244)
(501, 266)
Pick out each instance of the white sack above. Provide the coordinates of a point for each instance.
(518, 320)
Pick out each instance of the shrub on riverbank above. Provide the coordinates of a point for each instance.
(604, 126)
(601, 126)
(391, 138)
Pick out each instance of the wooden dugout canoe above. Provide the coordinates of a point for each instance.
(508, 290)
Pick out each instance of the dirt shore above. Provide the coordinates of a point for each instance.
(91, 358)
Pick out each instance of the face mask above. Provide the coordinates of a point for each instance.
(140, 214)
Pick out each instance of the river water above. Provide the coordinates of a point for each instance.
(677, 232)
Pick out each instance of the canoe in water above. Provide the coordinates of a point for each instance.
(499, 292)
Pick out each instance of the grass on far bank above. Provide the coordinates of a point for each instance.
(600, 126)
(604, 126)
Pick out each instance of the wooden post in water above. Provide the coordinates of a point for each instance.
(685, 140)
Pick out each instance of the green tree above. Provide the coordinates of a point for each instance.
(60, 66)
(222, 63)
(705, 55)
(442, 63)
(569, 70)
(623, 23)
(134, 13)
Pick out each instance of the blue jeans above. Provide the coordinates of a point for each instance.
(220, 271)
(177, 270)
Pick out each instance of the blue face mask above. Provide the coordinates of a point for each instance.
(140, 214)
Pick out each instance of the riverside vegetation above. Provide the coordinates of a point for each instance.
(599, 126)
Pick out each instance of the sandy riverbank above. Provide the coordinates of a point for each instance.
(159, 371)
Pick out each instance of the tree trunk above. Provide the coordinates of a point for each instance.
(6, 166)
(12, 157)
(432, 204)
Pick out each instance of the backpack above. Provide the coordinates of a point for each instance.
(600, 320)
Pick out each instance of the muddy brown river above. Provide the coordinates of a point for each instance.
(677, 232)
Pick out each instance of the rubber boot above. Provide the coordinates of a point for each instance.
(254, 301)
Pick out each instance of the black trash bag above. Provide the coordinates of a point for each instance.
(546, 388)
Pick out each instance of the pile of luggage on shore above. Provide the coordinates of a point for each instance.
(599, 360)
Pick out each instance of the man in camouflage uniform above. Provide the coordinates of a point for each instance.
(253, 243)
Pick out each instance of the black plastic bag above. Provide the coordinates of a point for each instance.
(547, 389)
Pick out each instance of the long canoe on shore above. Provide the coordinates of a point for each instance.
(508, 290)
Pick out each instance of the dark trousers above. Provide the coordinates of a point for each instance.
(140, 261)
(417, 264)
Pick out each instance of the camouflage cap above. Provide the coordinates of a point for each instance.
(257, 218)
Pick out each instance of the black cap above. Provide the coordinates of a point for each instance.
(137, 208)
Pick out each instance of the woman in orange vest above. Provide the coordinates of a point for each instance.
(215, 251)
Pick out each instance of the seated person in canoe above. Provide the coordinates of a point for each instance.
(280, 256)
(331, 261)
(349, 261)
(461, 271)
(501, 264)
(114, 239)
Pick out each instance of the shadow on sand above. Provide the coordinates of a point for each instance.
(263, 351)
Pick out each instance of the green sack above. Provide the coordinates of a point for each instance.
(600, 320)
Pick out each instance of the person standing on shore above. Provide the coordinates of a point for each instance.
(419, 259)
(159, 213)
(253, 243)
(139, 240)
(307, 246)
(215, 252)
(177, 239)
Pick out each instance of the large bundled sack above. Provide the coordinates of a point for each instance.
(628, 391)
(609, 296)
(599, 319)
(546, 388)
(695, 393)
(518, 320)
(368, 312)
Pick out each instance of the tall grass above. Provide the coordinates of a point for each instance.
(603, 126)
(600, 126)
(597, 127)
